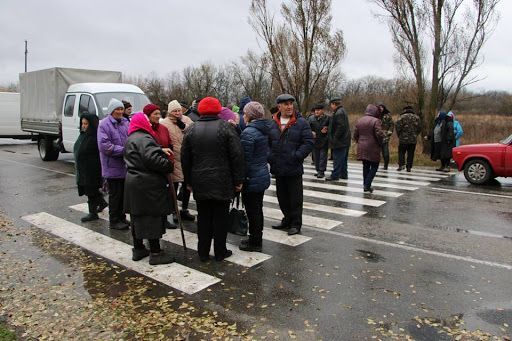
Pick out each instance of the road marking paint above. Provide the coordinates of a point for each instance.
(400, 175)
(32, 166)
(472, 193)
(339, 197)
(374, 183)
(243, 258)
(174, 275)
(433, 174)
(414, 170)
(417, 249)
(350, 189)
(322, 208)
(380, 178)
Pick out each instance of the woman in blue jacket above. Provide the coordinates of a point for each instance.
(254, 139)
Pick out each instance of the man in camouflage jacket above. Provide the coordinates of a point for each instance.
(387, 127)
(408, 126)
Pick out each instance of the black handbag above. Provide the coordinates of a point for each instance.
(238, 222)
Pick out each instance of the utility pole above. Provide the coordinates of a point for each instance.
(26, 52)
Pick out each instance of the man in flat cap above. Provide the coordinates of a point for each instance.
(319, 123)
(339, 140)
(291, 142)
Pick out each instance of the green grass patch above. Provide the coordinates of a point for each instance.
(6, 334)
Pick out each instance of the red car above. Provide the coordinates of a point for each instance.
(482, 162)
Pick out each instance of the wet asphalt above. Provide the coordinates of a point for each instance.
(442, 253)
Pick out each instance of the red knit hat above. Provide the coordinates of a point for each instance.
(149, 108)
(209, 106)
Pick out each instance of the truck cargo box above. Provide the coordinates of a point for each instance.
(43, 91)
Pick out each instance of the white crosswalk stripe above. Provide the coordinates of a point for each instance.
(175, 275)
(322, 208)
(350, 189)
(416, 171)
(381, 178)
(360, 183)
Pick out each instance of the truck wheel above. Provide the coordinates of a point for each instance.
(47, 150)
(477, 171)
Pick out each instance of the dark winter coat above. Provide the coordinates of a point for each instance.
(87, 157)
(369, 137)
(444, 150)
(212, 159)
(408, 126)
(316, 124)
(290, 147)
(256, 148)
(146, 186)
(339, 129)
(192, 114)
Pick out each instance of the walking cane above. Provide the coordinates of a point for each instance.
(175, 199)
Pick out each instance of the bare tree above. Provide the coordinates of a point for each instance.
(303, 52)
(455, 31)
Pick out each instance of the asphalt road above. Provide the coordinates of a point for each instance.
(424, 247)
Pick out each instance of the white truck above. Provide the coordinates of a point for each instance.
(10, 126)
(52, 101)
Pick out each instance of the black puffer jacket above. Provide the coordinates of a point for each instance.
(146, 187)
(212, 159)
(87, 157)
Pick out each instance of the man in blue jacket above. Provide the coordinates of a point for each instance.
(291, 142)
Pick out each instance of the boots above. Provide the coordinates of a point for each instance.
(248, 245)
(93, 215)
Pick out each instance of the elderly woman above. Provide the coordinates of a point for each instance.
(256, 149)
(88, 167)
(147, 196)
(176, 123)
(442, 140)
(369, 136)
(213, 167)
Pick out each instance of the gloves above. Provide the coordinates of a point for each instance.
(180, 124)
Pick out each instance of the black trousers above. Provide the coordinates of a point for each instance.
(115, 200)
(185, 194)
(320, 158)
(253, 202)
(290, 198)
(385, 153)
(404, 148)
(212, 223)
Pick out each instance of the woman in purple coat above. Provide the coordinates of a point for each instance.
(368, 136)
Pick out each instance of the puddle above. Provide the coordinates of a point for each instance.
(472, 232)
(371, 256)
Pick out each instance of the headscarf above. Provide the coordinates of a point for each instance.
(141, 122)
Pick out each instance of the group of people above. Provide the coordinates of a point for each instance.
(216, 154)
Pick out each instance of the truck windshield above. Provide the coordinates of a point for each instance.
(138, 101)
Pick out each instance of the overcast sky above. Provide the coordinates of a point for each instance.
(138, 37)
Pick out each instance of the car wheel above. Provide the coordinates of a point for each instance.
(47, 150)
(477, 171)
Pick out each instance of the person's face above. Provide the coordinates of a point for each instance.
(246, 118)
(154, 117)
(332, 106)
(177, 113)
(128, 111)
(118, 112)
(319, 112)
(381, 108)
(286, 108)
(84, 124)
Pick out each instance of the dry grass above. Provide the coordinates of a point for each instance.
(477, 129)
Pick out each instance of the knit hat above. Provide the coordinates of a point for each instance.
(372, 110)
(226, 114)
(149, 108)
(114, 104)
(173, 105)
(254, 110)
(209, 106)
(126, 104)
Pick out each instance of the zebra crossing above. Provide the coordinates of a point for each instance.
(325, 205)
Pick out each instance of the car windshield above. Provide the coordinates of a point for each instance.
(507, 140)
(138, 101)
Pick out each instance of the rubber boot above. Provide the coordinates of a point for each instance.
(93, 215)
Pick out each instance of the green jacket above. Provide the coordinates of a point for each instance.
(408, 126)
(387, 126)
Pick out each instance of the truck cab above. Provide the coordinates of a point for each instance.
(93, 98)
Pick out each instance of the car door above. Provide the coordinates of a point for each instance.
(508, 160)
(69, 122)
(86, 105)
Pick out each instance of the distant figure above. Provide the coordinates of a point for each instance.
(442, 140)
(88, 166)
(243, 103)
(127, 109)
(291, 142)
(387, 126)
(457, 129)
(319, 123)
(408, 126)
(176, 123)
(213, 168)
(112, 135)
(147, 198)
(339, 140)
(369, 135)
(256, 149)
(192, 111)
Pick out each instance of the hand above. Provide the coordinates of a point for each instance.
(314, 134)
(324, 130)
(238, 188)
(168, 151)
(232, 122)
(189, 188)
